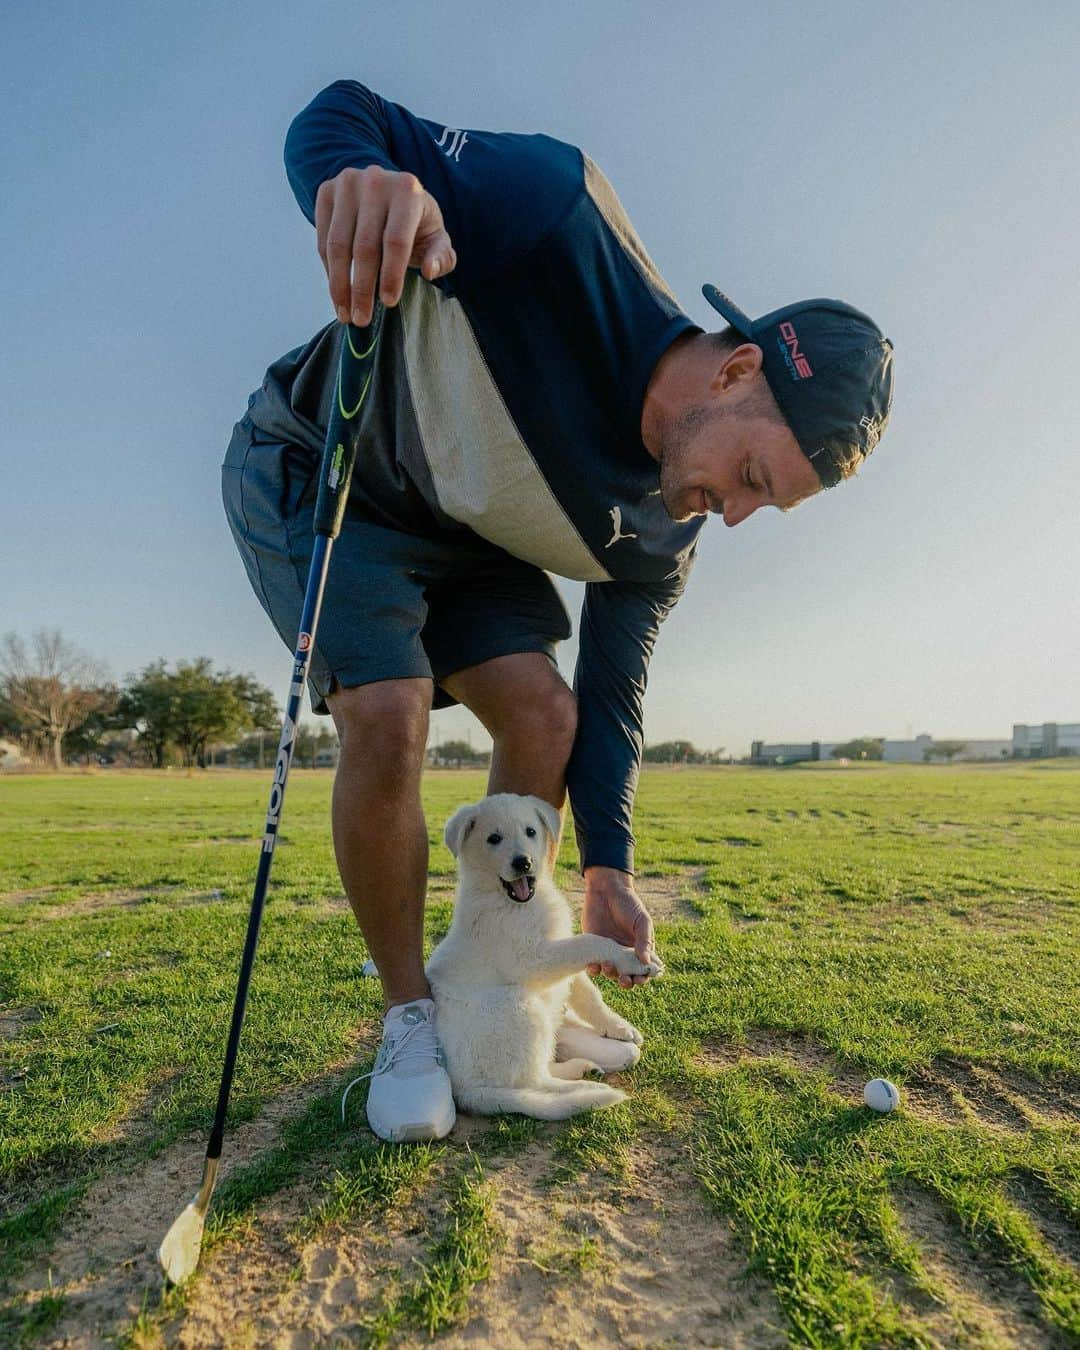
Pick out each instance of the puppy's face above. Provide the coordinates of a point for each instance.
(503, 841)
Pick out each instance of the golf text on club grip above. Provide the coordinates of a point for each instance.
(277, 791)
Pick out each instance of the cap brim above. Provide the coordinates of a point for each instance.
(731, 311)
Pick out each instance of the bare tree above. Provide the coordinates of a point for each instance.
(52, 688)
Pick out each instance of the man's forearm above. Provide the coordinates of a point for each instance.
(619, 625)
(343, 127)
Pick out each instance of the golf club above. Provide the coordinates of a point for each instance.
(179, 1250)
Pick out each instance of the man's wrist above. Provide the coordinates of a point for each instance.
(598, 877)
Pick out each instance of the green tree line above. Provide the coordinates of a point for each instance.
(57, 704)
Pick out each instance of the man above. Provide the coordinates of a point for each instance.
(540, 404)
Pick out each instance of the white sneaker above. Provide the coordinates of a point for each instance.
(410, 1096)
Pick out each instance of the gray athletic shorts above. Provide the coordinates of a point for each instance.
(397, 603)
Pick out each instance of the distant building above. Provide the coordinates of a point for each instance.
(10, 755)
(760, 753)
(916, 751)
(992, 749)
(908, 752)
(1045, 741)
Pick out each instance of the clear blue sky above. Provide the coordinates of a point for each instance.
(916, 160)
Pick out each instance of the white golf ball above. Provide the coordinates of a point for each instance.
(881, 1095)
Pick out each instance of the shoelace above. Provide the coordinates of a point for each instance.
(418, 1042)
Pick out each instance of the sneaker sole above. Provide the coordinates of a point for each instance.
(415, 1133)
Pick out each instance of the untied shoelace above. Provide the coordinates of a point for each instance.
(418, 1042)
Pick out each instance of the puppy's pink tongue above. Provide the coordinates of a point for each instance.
(520, 887)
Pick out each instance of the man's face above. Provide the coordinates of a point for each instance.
(712, 458)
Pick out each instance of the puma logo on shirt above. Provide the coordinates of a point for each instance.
(616, 519)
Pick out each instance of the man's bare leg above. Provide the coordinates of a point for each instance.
(380, 837)
(531, 714)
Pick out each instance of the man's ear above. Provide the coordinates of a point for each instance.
(549, 817)
(458, 827)
(739, 368)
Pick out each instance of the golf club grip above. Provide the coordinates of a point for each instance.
(356, 365)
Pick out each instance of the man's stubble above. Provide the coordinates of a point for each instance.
(675, 444)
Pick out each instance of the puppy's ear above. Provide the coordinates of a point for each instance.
(458, 827)
(549, 816)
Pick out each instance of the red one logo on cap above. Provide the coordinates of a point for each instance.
(795, 357)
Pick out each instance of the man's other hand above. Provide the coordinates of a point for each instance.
(375, 223)
(612, 909)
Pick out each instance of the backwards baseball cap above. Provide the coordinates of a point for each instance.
(830, 370)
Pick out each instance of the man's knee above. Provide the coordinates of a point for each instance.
(384, 724)
(544, 712)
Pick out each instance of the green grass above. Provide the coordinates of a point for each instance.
(855, 922)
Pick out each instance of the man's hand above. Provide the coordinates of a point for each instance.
(376, 222)
(612, 909)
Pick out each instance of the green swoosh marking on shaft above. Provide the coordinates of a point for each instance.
(363, 393)
(359, 355)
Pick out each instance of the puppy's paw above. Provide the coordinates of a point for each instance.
(618, 1029)
(621, 1055)
(627, 963)
(574, 1068)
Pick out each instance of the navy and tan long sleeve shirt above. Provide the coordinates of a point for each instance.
(525, 371)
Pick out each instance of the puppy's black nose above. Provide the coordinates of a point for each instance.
(522, 864)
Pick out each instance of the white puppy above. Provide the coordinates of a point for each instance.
(510, 967)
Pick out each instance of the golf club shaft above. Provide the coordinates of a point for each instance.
(355, 368)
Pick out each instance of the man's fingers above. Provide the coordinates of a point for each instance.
(594, 969)
(397, 242)
(371, 226)
(337, 253)
(643, 932)
(366, 254)
(439, 259)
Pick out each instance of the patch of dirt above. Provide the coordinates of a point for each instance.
(572, 1268)
(213, 841)
(15, 1021)
(662, 1269)
(798, 1049)
(105, 1260)
(988, 1304)
(14, 898)
(1006, 1098)
(273, 1288)
(1039, 1205)
(97, 901)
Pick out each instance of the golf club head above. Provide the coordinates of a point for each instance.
(181, 1245)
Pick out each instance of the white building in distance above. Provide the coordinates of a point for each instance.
(1045, 741)
(917, 751)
